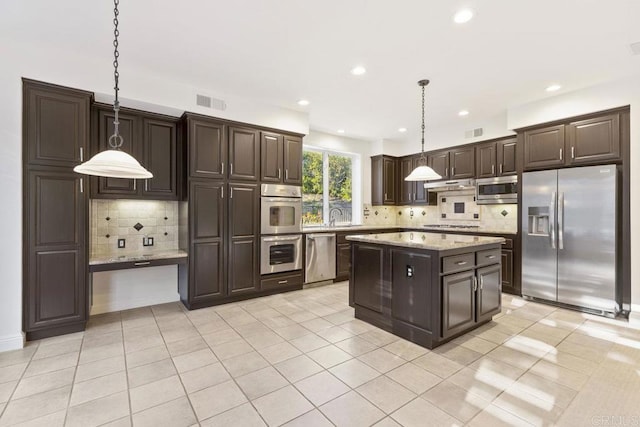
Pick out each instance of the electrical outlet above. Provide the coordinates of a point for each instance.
(409, 271)
(121, 243)
(147, 241)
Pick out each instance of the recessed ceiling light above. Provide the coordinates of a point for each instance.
(402, 130)
(340, 130)
(358, 71)
(463, 113)
(462, 16)
(553, 88)
(303, 102)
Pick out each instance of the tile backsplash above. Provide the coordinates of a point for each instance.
(117, 219)
(495, 217)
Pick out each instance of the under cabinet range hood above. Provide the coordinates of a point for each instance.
(453, 185)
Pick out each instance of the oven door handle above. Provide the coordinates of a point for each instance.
(280, 239)
(282, 199)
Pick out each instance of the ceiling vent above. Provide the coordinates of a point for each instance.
(635, 48)
(209, 102)
(473, 133)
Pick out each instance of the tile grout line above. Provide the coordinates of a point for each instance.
(4, 410)
(73, 381)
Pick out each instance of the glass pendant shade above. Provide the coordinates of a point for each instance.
(113, 164)
(423, 173)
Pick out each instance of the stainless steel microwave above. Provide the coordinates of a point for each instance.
(493, 191)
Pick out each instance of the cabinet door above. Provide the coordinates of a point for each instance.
(292, 160)
(458, 303)
(343, 261)
(507, 268)
(129, 129)
(207, 218)
(506, 156)
(369, 288)
(271, 155)
(486, 160)
(544, 148)
(439, 162)
(55, 239)
(594, 140)
(389, 181)
(244, 154)
(56, 125)
(421, 195)
(159, 148)
(463, 163)
(411, 300)
(207, 146)
(244, 238)
(489, 292)
(407, 188)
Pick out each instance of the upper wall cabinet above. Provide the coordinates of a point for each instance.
(383, 180)
(152, 140)
(496, 158)
(281, 158)
(207, 146)
(457, 163)
(412, 192)
(439, 162)
(591, 141)
(244, 154)
(57, 124)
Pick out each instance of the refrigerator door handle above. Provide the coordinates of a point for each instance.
(552, 220)
(561, 221)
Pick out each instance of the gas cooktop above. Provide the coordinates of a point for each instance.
(449, 226)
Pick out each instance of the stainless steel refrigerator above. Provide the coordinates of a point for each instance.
(569, 223)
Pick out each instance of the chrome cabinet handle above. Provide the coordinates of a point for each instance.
(134, 185)
(231, 192)
(279, 171)
(385, 196)
(282, 239)
(561, 154)
(461, 262)
(491, 256)
(81, 185)
(481, 282)
(475, 283)
(552, 220)
(222, 192)
(286, 174)
(500, 168)
(81, 154)
(142, 263)
(222, 168)
(493, 169)
(452, 168)
(573, 152)
(282, 282)
(230, 168)
(146, 185)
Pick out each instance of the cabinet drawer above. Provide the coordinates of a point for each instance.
(488, 257)
(281, 281)
(507, 244)
(461, 262)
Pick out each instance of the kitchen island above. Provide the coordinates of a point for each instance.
(426, 287)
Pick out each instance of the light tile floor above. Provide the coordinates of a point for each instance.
(301, 359)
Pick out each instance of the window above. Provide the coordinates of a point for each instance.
(327, 187)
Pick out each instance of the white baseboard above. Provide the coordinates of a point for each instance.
(11, 342)
(119, 305)
(634, 316)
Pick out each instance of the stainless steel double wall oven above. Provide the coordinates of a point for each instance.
(281, 228)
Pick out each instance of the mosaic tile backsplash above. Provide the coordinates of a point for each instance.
(132, 220)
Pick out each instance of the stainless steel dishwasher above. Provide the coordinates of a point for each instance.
(320, 257)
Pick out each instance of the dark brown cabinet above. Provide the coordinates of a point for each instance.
(150, 139)
(594, 140)
(56, 131)
(343, 261)
(410, 290)
(472, 296)
(439, 162)
(496, 158)
(407, 188)
(544, 147)
(462, 161)
(507, 270)
(207, 147)
(370, 289)
(281, 158)
(55, 210)
(244, 154)
(244, 238)
(383, 180)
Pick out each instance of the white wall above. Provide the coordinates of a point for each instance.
(601, 97)
(93, 74)
(365, 149)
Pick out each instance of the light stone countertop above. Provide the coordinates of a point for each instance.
(111, 259)
(481, 229)
(429, 241)
(327, 229)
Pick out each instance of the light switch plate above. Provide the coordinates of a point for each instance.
(121, 243)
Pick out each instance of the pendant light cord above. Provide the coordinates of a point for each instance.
(115, 141)
(423, 161)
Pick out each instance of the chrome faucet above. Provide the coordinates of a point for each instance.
(332, 222)
(332, 217)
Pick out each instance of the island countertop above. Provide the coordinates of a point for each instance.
(428, 241)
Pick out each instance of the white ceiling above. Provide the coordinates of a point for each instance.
(278, 51)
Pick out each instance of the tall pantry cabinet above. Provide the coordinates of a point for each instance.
(56, 207)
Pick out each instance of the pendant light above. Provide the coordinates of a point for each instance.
(114, 163)
(423, 172)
